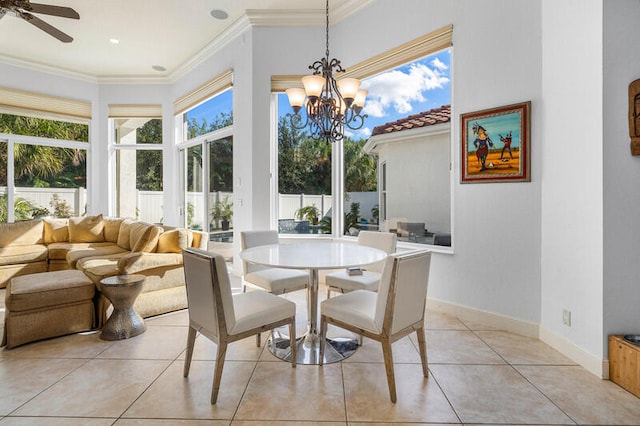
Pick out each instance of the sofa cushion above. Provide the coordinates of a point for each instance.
(87, 229)
(58, 251)
(144, 237)
(22, 254)
(35, 291)
(21, 233)
(112, 228)
(107, 249)
(97, 268)
(56, 230)
(173, 241)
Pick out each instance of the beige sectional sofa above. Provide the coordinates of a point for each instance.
(102, 247)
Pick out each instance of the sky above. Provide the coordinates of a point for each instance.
(406, 90)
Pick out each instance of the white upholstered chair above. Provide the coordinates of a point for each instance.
(273, 280)
(396, 310)
(343, 282)
(224, 318)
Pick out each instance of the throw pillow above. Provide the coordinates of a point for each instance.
(124, 234)
(144, 237)
(56, 230)
(87, 229)
(173, 241)
(112, 228)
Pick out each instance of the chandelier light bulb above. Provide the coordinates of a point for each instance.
(296, 97)
(313, 85)
(348, 88)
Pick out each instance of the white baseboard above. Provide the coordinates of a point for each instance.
(493, 320)
(599, 367)
(525, 328)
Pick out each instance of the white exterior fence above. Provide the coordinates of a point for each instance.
(149, 204)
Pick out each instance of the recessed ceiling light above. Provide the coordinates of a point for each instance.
(219, 14)
(159, 68)
(114, 41)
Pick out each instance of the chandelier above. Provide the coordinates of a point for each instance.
(330, 105)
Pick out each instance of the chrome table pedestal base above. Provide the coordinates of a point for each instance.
(308, 348)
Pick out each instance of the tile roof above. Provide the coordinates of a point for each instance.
(422, 119)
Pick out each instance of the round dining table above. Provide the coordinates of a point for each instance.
(313, 256)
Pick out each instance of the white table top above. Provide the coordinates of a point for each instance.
(313, 255)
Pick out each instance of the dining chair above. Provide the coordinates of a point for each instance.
(396, 310)
(343, 282)
(225, 318)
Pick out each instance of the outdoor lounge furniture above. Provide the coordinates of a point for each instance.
(396, 310)
(406, 229)
(225, 318)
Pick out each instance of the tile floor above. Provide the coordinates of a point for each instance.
(477, 376)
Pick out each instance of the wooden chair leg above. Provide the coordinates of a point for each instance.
(292, 342)
(388, 365)
(422, 345)
(217, 374)
(258, 339)
(323, 333)
(191, 340)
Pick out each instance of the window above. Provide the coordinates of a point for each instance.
(304, 178)
(43, 163)
(137, 162)
(206, 152)
(412, 171)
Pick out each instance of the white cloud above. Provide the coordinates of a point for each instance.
(438, 64)
(396, 89)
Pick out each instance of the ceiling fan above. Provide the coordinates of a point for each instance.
(24, 9)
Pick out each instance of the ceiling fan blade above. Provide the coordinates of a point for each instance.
(47, 9)
(33, 20)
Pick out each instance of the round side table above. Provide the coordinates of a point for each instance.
(122, 291)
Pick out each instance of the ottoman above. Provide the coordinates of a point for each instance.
(47, 304)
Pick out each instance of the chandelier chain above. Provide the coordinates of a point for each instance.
(327, 29)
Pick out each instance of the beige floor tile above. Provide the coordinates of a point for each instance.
(458, 347)
(404, 351)
(23, 379)
(419, 399)
(54, 421)
(79, 345)
(154, 343)
(172, 422)
(242, 350)
(101, 388)
(278, 392)
(583, 396)
(283, 423)
(173, 396)
(440, 321)
(516, 349)
(495, 394)
(178, 318)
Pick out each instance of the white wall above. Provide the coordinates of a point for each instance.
(496, 60)
(572, 201)
(621, 172)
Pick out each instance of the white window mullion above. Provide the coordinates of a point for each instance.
(10, 182)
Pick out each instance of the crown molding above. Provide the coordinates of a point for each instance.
(48, 69)
(252, 17)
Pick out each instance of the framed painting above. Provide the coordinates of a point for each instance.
(495, 144)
